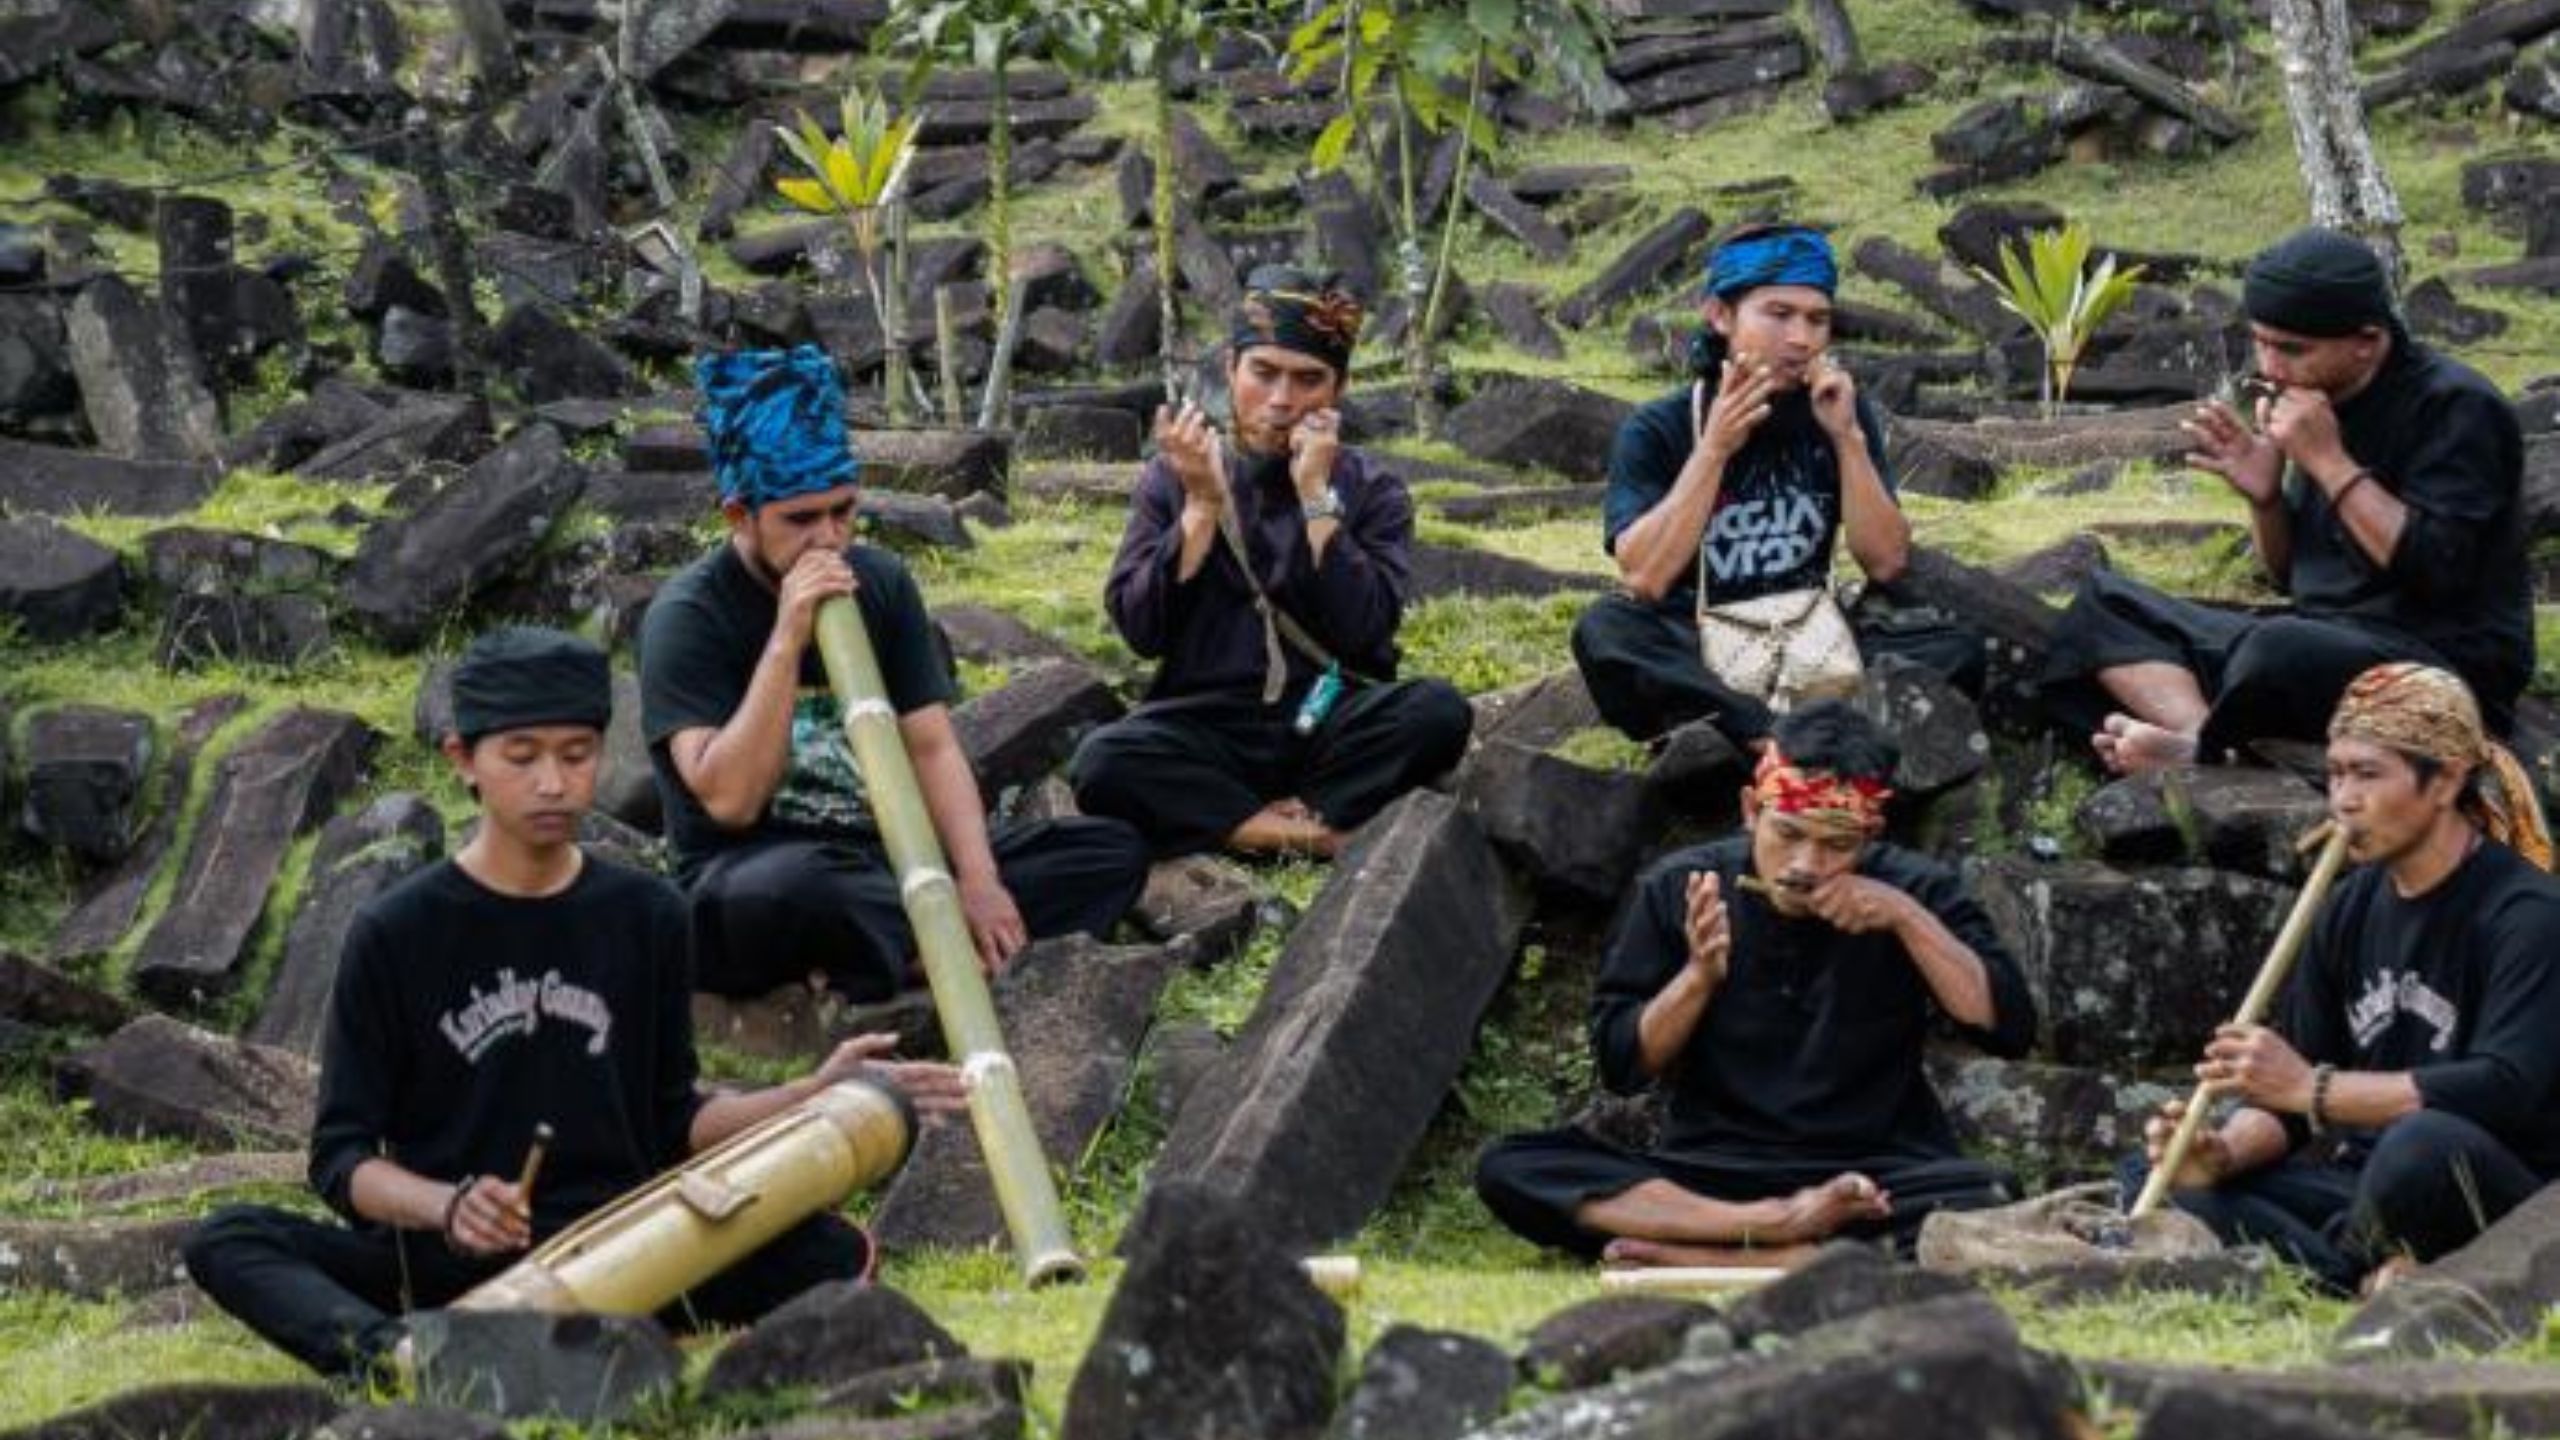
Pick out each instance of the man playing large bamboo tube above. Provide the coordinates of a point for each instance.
(2409, 1093)
(1274, 722)
(1781, 983)
(2385, 489)
(520, 982)
(774, 834)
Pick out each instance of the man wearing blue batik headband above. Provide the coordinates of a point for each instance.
(1746, 478)
(774, 838)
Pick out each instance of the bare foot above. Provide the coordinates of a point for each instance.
(1817, 1211)
(1287, 827)
(2387, 1274)
(2127, 746)
(1629, 1253)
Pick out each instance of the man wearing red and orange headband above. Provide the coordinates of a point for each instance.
(1781, 983)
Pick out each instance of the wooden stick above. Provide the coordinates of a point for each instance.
(542, 1135)
(1691, 1277)
(2332, 839)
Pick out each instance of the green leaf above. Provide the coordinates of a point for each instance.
(1318, 27)
(1333, 142)
(986, 43)
(1497, 21)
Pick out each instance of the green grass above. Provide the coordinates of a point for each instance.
(1432, 1256)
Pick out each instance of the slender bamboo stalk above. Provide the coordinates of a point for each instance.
(1025, 1192)
(2262, 993)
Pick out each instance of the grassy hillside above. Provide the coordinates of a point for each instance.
(1433, 1258)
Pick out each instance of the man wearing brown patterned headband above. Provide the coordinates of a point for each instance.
(1266, 571)
(2409, 1093)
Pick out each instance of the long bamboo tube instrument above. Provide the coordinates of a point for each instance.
(2331, 837)
(653, 1243)
(1015, 1165)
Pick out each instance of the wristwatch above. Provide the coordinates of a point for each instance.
(1327, 506)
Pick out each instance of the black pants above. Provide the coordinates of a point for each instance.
(775, 912)
(2267, 677)
(330, 1296)
(1647, 675)
(1188, 771)
(2431, 1182)
(1535, 1183)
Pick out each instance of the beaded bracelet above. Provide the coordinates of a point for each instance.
(453, 1207)
(2321, 1075)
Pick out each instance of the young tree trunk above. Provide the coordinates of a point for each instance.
(992, 408)
(1168, 312)
(2348, 190)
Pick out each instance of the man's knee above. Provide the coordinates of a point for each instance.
(1441, 722)
(224, 1234)
(2425, 1162)
(1104, 768)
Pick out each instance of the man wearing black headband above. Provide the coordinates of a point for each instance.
(1748, 478)
(1273, 723)
(2385, 487)
(522, 981)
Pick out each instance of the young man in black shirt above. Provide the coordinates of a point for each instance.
(521, 982)
(1747, 479)
(2385, 489)
(2409, 1094)
(1781, 983)
(774, 838)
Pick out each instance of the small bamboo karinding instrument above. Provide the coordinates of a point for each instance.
(2331, 837)
(1025, 1192)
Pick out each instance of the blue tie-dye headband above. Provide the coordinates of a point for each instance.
(774, 420)
(1786, 255)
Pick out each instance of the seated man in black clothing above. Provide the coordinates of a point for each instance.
(1747, 478)
(774, 837)
(2409, 1093)
(1781, 983)
(1274, 722)
(2385, 489)
(522, 981)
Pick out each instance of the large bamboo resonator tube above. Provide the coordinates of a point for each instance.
(654, 1243)
(2331, 837)
(1025, 1192)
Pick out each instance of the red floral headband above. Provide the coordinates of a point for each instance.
(1789, 790)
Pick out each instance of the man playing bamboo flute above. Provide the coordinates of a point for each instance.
(2385, 489)
(1781, 983)
(2409, 1093)
(1269, 580)
(520, 982)
(774, 833)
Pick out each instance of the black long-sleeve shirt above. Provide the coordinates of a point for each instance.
(2460, 987)
(2444, 442)
(1811, 1048)
(462, 1017)
(1205, 630)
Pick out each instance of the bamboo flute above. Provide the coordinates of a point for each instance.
(2331, 837)
(1025, 1191)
